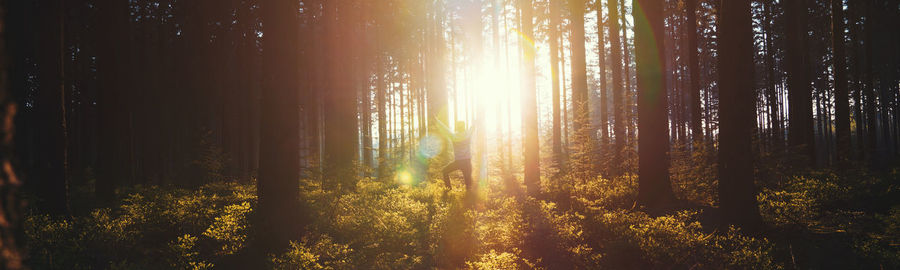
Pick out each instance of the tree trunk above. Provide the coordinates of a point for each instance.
(737, 191)
(694, 71)
(530, 107)
(553, 39)
(841, 98)
(12, 235)
(112, 104)
(579, 68)
(800, 133)
(50, 109)
(279, 161)
(341, 126)
(654, 188)
(615, 56)
(601, 57)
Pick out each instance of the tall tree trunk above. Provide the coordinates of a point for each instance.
(869, 103)
(553, 39)
(737, 191)
(12, 235)
(50, 108)
(800, 133)
(529, 106)
(380, 102)
(437, 90)
(112, 103)
(366, 116)
(694, 71)
(841, 98)
(628, 94)
(341, 126)
(615, 56)
(279, 161)
(601, 57)
(772, 96)
(654, 188)
(579, 68)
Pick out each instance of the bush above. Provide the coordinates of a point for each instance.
(676, 241)
(153, 228)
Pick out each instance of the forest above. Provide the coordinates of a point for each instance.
(450, 134)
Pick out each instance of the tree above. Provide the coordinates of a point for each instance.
(601, 57)
(737, 191)
(113, 166)
(800, 126)
(654, 188)
(341, 110)
(841, 98)
(553, 40)
(11, 230)
(529, 106)
(690, 8)
(579, 68)
(50, 109)
(279, 160)
(615, 56)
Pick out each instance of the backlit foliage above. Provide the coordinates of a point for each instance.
(391, 226)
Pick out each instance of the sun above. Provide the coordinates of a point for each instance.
(489, 90)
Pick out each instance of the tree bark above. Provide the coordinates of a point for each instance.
(694, 71)
(737, 191)
(615, 56)
(654, 188)
(579, 67)
(604, 91)
(12, 235)
(800, 133)
(841, 98)
(553, 39)
(279, 161)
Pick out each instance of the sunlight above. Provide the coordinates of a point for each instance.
(490, 90)
(404, 177)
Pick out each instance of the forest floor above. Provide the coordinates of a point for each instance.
(817, 220)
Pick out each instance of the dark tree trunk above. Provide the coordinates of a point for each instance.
(869, 103)
(654, 188)
(12, 235)
(579, 68)
(50, 171)
(694, 71)
(279, 161)
(841, 98)
(737, 191)
(772, 96)
(615, 56)
(341, 126)
(800, 133)
(601, 57)
(113, 107)
(380, 101)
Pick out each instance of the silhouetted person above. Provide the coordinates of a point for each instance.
(462, 154)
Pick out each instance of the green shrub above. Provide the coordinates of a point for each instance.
(493, 260)
(676, 241)
(320, 254)
(152, 228)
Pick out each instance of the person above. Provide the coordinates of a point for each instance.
(462, 154)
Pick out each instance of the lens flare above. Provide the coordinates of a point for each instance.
(404, 177)
(430, 146)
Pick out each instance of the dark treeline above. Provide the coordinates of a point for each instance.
(111, 95)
